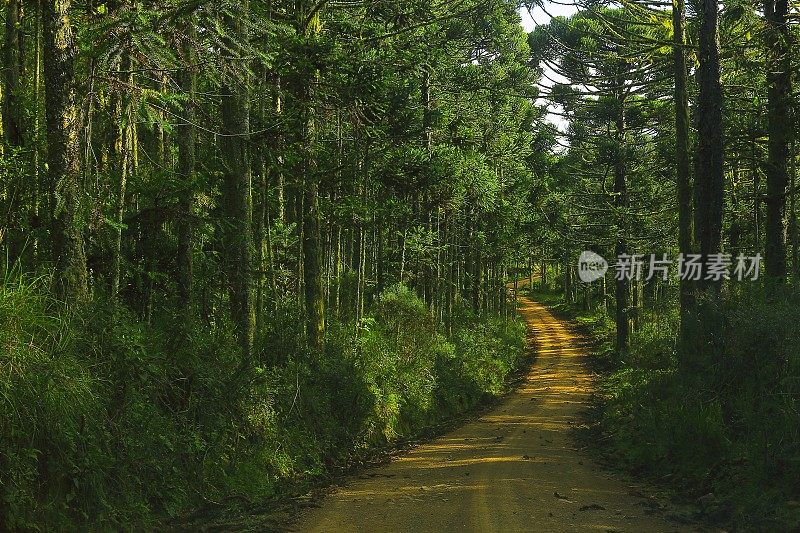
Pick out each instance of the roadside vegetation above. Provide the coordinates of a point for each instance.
(245, 245)
(724, 436)
(107, 422)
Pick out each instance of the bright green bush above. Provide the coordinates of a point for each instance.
(489, 351)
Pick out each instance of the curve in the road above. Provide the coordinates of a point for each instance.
(516, 468)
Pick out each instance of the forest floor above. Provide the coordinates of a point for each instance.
(518, 467)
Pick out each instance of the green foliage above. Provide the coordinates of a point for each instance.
(103, 421)
(107, 422)
(489, 351)
(731, 430)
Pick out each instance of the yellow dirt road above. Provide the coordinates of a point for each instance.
(513, 469)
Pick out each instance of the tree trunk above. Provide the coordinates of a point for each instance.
(544, 275)
(402, 246)
(237, 202)
(63, 157)
(314, 298)
(793, 212)
(258, 239)
(621, 202)
(779, 94)
(530, 272)
(682, 159)
(756, 174)
(12, 73)
(186, 138)
(309, 24)
(122, 150)
(37, 87)
(338, 271)
(709, 188)
(710, 172)
(427, 114)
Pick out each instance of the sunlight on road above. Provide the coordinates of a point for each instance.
(515, 466)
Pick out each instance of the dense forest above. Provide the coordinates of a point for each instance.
(247, 244)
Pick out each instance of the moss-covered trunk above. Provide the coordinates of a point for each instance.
(237, 200)
(70, 279)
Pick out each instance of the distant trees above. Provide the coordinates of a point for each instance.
(671, 205)
(612, 100)
(202, 157)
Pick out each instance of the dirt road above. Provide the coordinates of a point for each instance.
(513, 469)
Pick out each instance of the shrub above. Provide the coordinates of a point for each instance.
(733, 429)
(105, 421)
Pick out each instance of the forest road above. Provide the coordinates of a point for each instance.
(516, 468)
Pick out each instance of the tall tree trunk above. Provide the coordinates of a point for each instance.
(682, 159)
(380, 257)
(14, 222)
(275, 174)
(710, 172)
(309, 24)
(402, 247)
(530, 272)
(544, 274)
(779, 94)
(237, 200)
(756, 174)
(63, 155)
(477, 284)
(793, 212)
(12, 73)
(621, 202)
(312, 254)
(122, 150)
(277, 108)
(735, 230)
(259, 237)
(186, 138)
(260, 215)
(337, 270)
(37, 91)
(427, 111)
(709, 187)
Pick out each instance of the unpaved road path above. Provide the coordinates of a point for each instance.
(516, 468)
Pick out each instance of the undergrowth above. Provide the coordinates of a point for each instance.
(107, 422)
(723, 427)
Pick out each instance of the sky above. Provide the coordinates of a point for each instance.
(538, 16)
